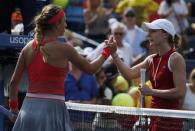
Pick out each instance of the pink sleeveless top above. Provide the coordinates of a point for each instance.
(162, 78)
(45, 78)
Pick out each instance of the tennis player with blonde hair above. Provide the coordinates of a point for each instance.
(46, 61)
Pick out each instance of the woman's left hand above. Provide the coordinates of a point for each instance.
(145, 90)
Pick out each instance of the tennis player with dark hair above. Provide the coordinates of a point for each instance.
(46, 61)
(167, 73)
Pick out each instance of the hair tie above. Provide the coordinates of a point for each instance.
(56, 18)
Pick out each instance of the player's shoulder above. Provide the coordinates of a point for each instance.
(28, 45)
(176, 56)
(176, 59)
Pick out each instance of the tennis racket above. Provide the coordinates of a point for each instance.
(7, 113)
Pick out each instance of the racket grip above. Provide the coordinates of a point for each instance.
(143, 76)
(143, 79)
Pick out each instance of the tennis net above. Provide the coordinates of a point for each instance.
(87, 117)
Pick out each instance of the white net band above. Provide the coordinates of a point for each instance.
(131, 110)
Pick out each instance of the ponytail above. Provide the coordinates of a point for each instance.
(45, 54)
(38, 36)
(177, 41)
(46, 21)
(39, 45)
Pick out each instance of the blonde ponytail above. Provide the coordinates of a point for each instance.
(45, 54)
(39, 46)
(46, 22)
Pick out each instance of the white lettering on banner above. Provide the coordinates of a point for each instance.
(19, 40)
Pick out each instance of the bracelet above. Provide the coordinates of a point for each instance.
(13, 104)
(106, 52)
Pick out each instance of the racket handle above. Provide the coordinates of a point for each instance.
(143, 79)
(143, 76)
(7, 113)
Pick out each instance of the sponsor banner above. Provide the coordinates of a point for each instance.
(14, 41)
(19, 41)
